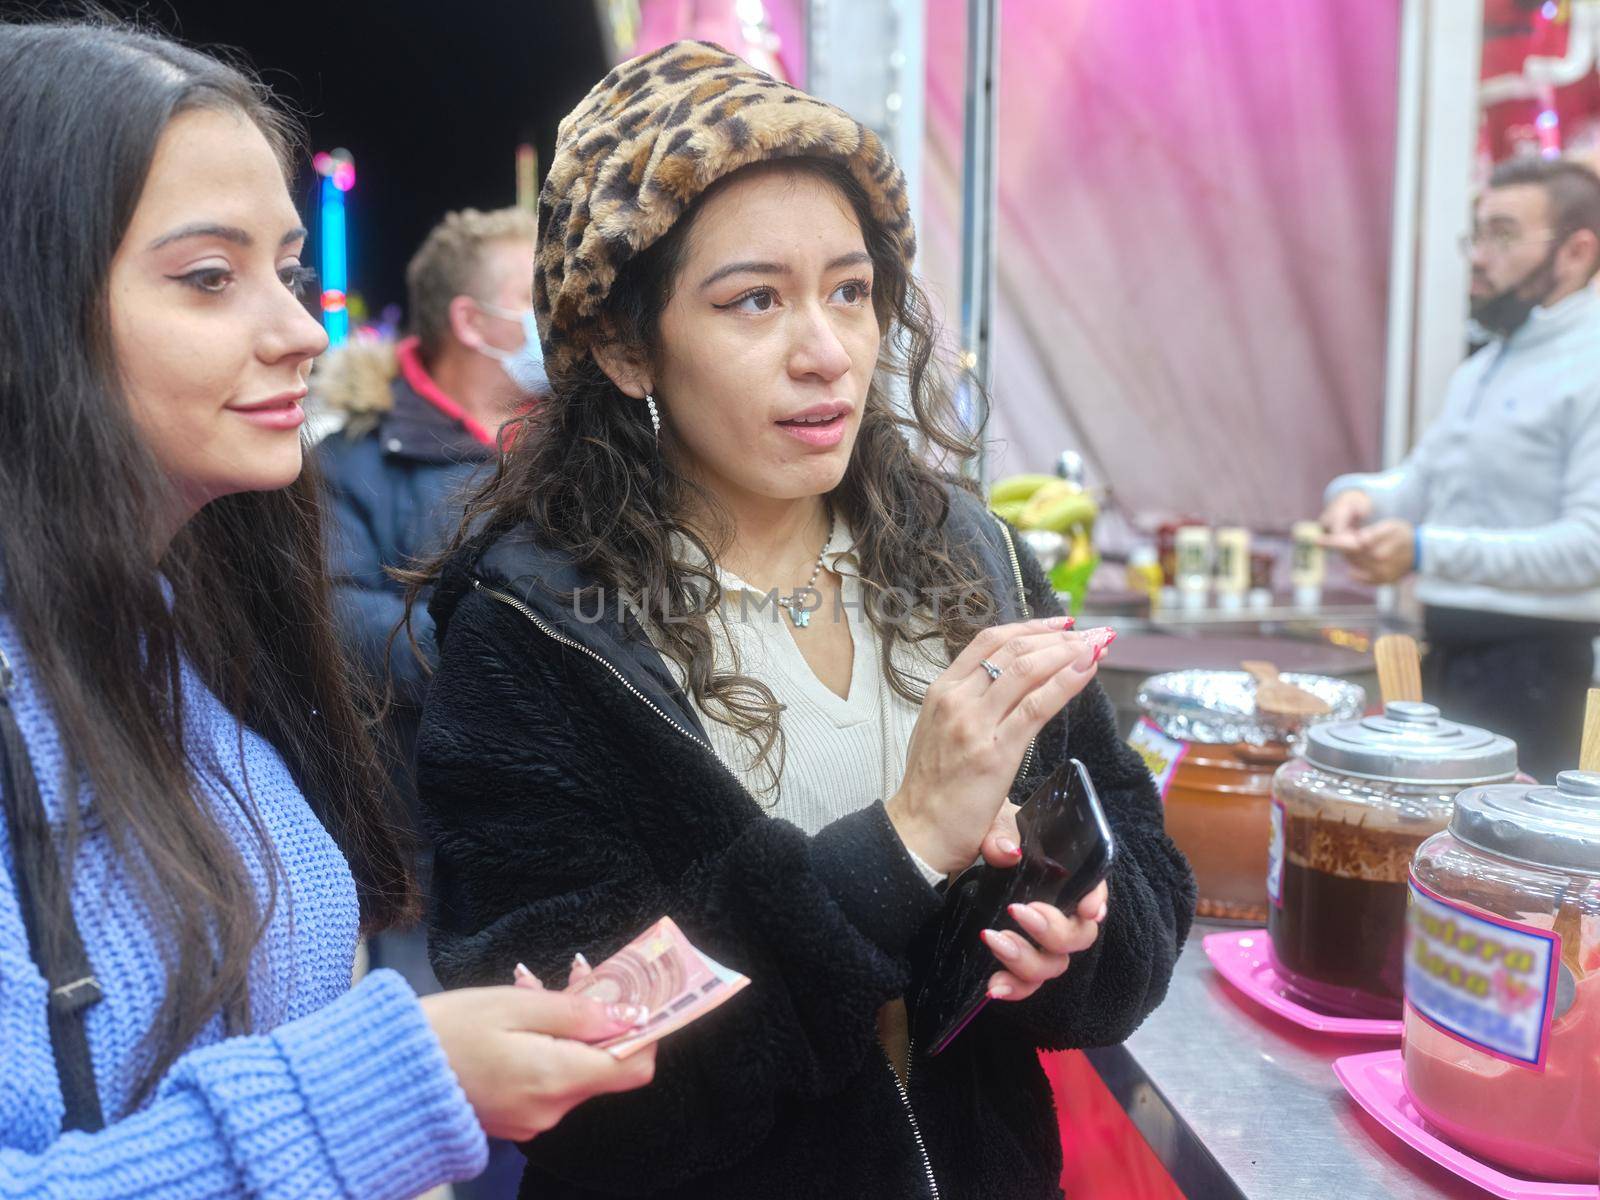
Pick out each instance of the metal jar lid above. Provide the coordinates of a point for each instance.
(1545, 826)
(1412, 743)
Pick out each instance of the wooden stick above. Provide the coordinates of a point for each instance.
(1589, 756)
(1262, 672)
(1399, 667)
(1277, 697)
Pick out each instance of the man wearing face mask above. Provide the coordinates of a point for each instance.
(1498, 508)
(421, 419)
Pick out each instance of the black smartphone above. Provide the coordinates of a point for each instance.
(1067, 849)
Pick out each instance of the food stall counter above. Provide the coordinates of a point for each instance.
(1237, 1102)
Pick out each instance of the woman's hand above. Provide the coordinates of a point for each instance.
(969, 739)
(520, 1056)
(1056, 937)
(1053, 938)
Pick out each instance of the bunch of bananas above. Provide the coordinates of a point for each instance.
(1044, 502)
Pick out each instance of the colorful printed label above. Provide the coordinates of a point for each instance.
(1275, 852)
(1161, 754)
(1485, 981)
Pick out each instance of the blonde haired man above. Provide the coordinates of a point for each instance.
(420, 421)
(421, 417)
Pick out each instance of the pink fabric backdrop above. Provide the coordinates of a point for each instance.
(1193, 241)
(663, 21)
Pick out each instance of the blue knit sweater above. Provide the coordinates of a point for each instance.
(342, 1091)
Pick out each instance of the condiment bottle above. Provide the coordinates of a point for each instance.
(1194, 548)
(1309, 567)
(1232, 569)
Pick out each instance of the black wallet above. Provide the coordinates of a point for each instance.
(1066, 850)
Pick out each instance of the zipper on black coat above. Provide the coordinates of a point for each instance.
(904, 1089)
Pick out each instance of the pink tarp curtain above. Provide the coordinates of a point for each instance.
(722, 22)
(1193, 241)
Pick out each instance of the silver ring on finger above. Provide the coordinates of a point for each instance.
(994, 671)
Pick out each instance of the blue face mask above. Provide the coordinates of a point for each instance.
(524, 366)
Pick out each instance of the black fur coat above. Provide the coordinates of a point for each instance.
(571, 801)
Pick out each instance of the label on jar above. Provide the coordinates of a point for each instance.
(1275, 852)
(1161, 754)
(1485, 981)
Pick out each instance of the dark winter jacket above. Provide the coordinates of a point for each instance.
(396, 476)
(572, 799)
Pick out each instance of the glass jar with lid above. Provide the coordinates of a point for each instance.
(1502, 1019)
(1349, 812)
(1213, 756)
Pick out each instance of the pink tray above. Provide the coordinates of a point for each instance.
(1241, 958)
(1374, 1081)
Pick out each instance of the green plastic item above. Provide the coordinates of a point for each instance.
(1073, 581)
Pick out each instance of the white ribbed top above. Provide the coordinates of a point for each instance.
(839, 754)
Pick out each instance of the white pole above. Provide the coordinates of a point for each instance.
(1397, 396)
(979, 200)
(1454, 55)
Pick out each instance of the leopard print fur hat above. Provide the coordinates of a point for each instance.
(650, 137)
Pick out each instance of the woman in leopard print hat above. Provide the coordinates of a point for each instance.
(718, 643)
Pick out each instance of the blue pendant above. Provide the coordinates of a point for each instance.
(800, 616)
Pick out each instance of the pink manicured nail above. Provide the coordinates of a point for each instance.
(522, 977)
(578, 960)
(1028, 919)
(1100, 917)
(1001, 943)
(1103, 642)
(1007, 846)
(1000, 991)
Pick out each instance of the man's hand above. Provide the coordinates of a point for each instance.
(1382, 553)
(1346, 513)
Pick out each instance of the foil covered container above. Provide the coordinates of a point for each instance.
(1219, 707)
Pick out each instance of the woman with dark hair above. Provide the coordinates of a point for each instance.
(717, 643)
(194, 818)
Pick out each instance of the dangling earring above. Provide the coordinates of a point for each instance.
(655, 417)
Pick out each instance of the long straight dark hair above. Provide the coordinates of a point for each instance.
(241, 596)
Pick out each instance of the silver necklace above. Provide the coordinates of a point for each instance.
(791, 603)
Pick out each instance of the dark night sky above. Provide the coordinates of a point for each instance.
(430, 96)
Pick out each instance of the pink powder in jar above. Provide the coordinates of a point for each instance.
(1539, 1124)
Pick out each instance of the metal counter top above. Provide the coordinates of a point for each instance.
(1237, 1102)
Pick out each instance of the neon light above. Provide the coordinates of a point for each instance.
(335, 274)
(1548, 126)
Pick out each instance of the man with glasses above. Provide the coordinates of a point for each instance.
(1497, 510)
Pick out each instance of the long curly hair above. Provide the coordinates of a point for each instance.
(585, 471)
